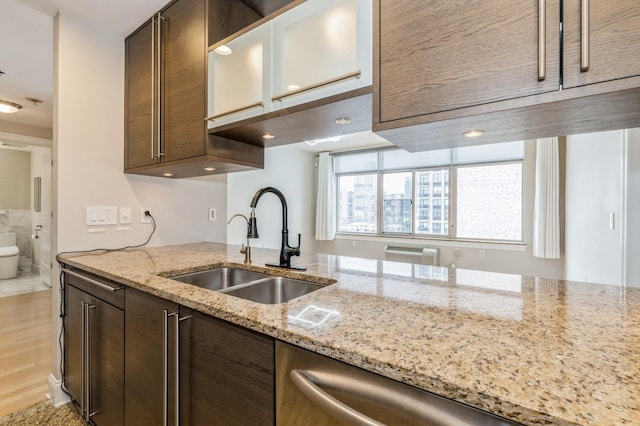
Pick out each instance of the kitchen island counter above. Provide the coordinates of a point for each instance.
(537, 351)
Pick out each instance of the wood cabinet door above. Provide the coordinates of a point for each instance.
(103, 356)
(140, 124)
(443, 55)
(184, 52)
(613, 41)
(227, 373)
(144, 359)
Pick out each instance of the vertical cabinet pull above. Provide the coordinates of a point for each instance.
(542, 40)
(159, 86)
(83, 360)
(153, 83)
(85, 376)
(165, 369)
(584, 36)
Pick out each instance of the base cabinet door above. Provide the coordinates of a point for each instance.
(94, 357)
(226, 373)
(149, 376)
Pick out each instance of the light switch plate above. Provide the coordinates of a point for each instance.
(102, 215)
(125, 215)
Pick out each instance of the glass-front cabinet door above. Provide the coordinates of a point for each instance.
(239, 77)
(321, 48)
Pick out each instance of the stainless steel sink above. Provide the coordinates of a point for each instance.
(219, 278)
(273, 290)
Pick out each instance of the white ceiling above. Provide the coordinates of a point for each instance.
(26, 47)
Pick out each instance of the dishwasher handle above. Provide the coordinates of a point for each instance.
(302, 380)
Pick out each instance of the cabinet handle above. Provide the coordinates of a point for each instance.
(329, 403)
(233, 111)
(153, 81)
(92, 281)
(542, 40)
(158, 83)
(355, 74)
(165, 369)
(83, 360)
(584, 36)
(88, 413)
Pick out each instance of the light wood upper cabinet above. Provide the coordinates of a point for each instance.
(439, 56)
(612, 37)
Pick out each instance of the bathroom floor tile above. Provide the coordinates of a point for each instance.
(23, 283)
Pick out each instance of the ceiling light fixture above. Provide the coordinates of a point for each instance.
(268, 136)
(35, 101)
(223, 50)
(9, 107)
(167, 174)
(209, 169)
(292, 87)
(342, 120)
(473, 133)
(324, 140)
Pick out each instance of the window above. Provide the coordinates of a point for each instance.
(358, 203)
(393, 192)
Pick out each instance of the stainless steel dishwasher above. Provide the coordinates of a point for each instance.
(314, 389)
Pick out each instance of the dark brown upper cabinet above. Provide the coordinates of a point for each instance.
(443, 55)
(445, 67)
(166, 99)
(601, 41)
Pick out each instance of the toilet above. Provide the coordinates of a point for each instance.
(9, 255)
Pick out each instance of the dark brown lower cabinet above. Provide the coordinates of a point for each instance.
(227, 373)
(94, 350)
(149, 377)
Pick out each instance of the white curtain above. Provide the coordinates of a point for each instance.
(326, 201)
(546, 216)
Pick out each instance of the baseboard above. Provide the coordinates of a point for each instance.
(56, 395)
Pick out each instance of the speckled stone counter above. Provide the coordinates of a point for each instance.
(537, 351)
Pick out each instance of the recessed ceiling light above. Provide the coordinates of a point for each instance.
(474, 133)
(292, 87)
(167, 174)
(9, 107)
(268, 136)
(342, 120)
(223, 50)
(209, 169)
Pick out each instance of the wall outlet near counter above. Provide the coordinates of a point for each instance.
(144, 218)
(212, 214)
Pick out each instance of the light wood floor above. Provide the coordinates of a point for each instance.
(25, 349)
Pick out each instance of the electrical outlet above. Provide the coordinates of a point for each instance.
(481, 253)
(212, 214)
(143, 217)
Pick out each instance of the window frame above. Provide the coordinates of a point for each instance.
(452, 169)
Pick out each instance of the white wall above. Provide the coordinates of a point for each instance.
(633, 209)
(292, 171)
(593, 191)
(88, 157)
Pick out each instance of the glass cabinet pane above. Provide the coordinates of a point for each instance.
(320, 41)
(237, 75)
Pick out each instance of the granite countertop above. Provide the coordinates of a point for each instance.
(537, 351)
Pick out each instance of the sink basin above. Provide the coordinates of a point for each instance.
(272, 290)
(219, 278)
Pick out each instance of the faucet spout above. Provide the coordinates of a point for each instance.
(286, 251)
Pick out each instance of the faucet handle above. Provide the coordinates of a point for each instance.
(297, 248)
